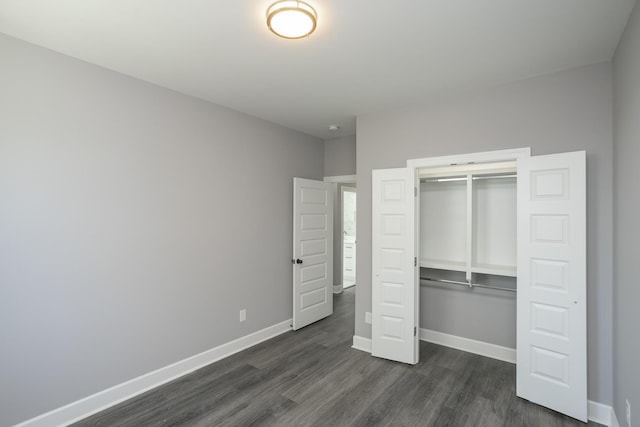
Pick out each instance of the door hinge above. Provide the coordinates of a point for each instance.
(415, 191)
(415, 330)
(415, 261)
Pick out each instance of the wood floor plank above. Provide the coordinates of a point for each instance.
(312, 377)
(397, 401)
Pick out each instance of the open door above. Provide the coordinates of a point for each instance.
(312, 251)
(394, 270)
(551, 307)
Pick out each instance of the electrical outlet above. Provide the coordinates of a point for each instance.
(628, 413)
(367, 317)
(243, 315)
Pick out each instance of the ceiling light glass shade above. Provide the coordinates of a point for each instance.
(291, 19)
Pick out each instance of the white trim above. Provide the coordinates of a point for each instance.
(614, 419)
(601, 413)
(344, 189)
(342, 179)
(335, 180)
(83, 408)
(485, 156)
(459, 343)
(104, 399)
(361, 343)
(493, 351)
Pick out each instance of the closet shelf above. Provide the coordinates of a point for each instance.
(442, 264)
(468, 219)
(497, 270)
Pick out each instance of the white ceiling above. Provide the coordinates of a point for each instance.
(366, 55)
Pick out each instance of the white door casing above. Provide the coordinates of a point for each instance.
(312, 251)
(394, 287)
(551, 301)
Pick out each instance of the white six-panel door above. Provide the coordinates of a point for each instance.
(312, 251)
(394, 287)
(551, 302)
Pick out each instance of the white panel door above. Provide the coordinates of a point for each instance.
(394, 288)
(552, 303)
(312, 251)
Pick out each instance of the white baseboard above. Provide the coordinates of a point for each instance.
(361, 343)
(337, 289)
(614, 419)
(465, 344)
(75, 411)
(482, 348)
(97, 402)
(601, 413)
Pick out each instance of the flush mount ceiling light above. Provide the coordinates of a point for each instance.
(291, 19)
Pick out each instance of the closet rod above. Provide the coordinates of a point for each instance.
(494, 176)
(468, 284)
(461, 178)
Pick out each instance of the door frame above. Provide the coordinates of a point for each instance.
(344, 189)
(412, 176)
(480, 157)
(335, 180)
(414, 165)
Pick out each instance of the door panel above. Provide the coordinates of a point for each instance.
(551, 356)
(394, 291)
(312, 251)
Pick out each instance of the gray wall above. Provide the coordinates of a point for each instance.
(561, 112)
(626, 149)
(135, 223)
(340, 156)
(481, 314)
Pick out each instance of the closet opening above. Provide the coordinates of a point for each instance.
(467, 226)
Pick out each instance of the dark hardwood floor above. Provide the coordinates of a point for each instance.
(314, 377)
